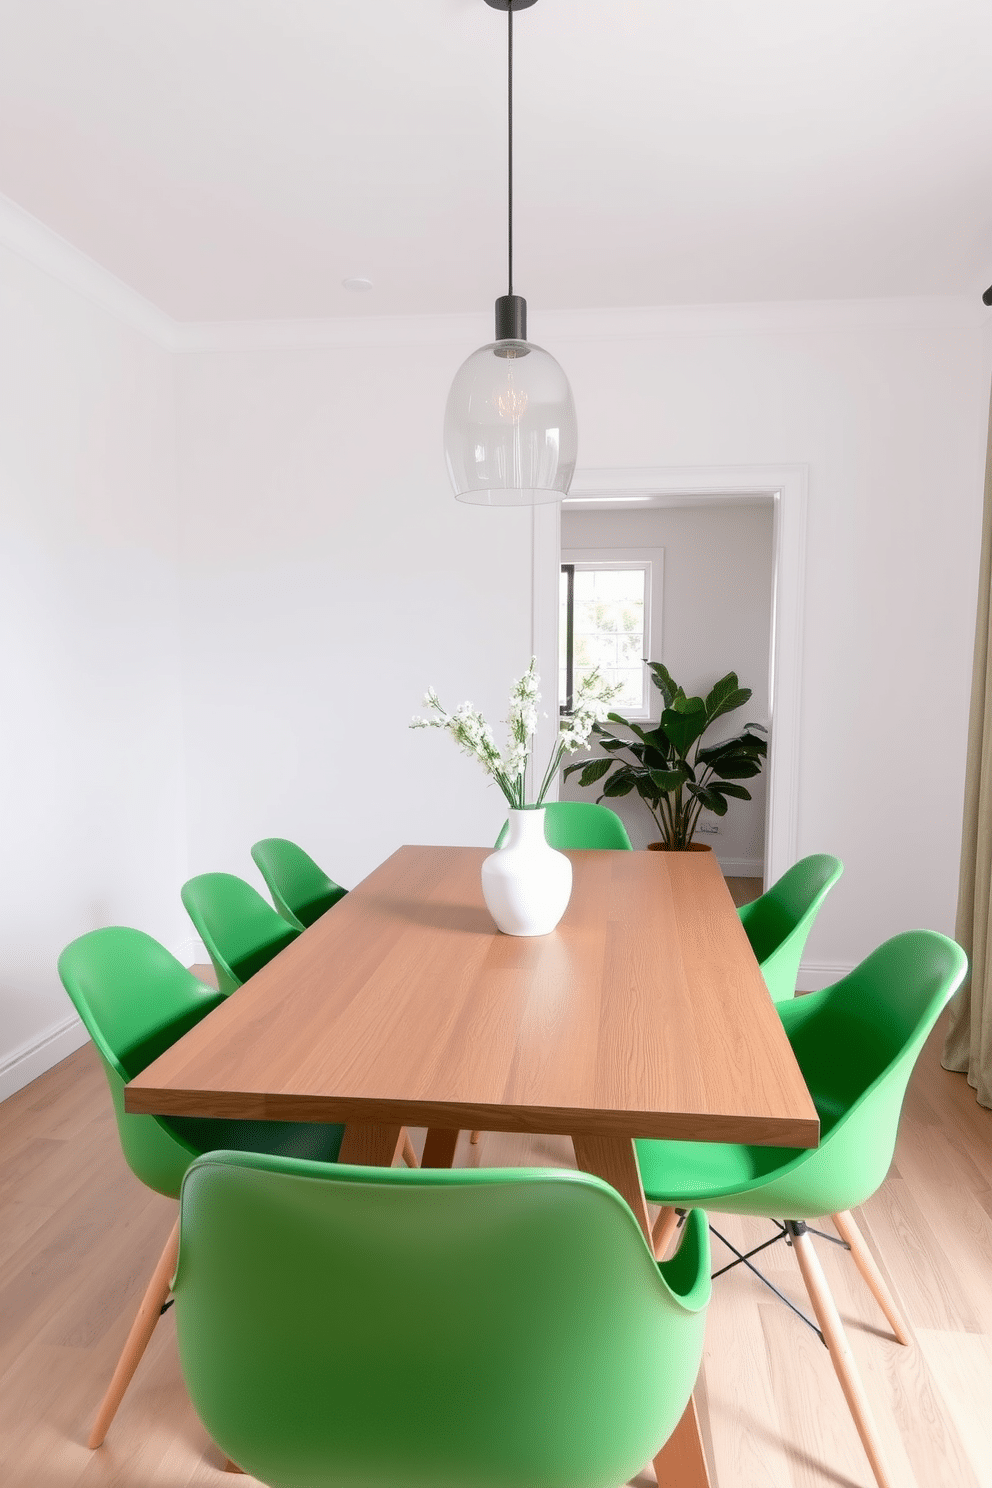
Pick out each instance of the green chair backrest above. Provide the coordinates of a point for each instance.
(579, 824)
(136, 1000)
(301, 891)
(779, 922)
(240, 931)
(856, 1044)
(436, 1328)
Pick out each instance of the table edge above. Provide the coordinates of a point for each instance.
(688, 1126)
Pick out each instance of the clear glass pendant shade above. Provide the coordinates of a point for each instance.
(510, 434)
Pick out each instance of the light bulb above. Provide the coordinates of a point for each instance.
(511, 402)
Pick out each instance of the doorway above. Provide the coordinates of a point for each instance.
(781, 493)
(705, 572)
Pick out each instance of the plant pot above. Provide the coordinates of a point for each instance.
(526, 884)
(693, 847)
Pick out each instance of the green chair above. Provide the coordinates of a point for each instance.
(507, 1328)
(242, 934)
(579, 824)
(778, 923)
(240, 931)
(856, 1044)
(301, 891)
(136, 1000)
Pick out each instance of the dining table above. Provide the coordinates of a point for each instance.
(644, 1014)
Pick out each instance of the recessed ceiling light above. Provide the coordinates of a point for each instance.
(357, 285)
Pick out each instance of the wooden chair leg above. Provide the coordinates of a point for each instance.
(475, 1137)
(409, 1156)
(142, 1329)
(840, 1350)
(848, 1230)
(664, 1228)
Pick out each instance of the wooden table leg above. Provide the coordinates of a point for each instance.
(439, 1147)
(614, 1159)
(681, 1463)
(371, 1146)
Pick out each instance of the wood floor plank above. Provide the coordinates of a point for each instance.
(933, 1293)
(818, 1440)
(916, 1424)
(748, 1447)
(20, 1223)
(962, 1370)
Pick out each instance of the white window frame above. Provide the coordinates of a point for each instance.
(601, 560)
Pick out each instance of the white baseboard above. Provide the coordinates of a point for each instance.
(49, 1048)
(40, 1054)
(816, 974)
(192, 952)
(740, 867)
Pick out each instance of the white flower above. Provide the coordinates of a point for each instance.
(528, 684)
(473, 735)
(523, 718)
(516, 759)
(593, 695)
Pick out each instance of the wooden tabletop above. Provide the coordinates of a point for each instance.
(643, 1014)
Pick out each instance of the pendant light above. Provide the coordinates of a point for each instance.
(510, 436)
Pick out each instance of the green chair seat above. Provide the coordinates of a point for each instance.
(240, 931)
(856, 1044)
(579, 824)
(436, 1328)
(705, 1169)
(136, 1000)
(301, 891)
(778, 923)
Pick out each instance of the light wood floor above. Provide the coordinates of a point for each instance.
(80, 1236)
(743, 890)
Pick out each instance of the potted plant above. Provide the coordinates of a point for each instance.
(673, 772)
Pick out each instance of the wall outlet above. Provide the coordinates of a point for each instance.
(708, 829)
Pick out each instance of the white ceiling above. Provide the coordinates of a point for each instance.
(236, 159)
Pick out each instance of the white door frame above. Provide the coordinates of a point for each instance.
(629, 489)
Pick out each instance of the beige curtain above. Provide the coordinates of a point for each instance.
(968, 1047)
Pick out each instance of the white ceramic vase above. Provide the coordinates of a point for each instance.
(526, 884)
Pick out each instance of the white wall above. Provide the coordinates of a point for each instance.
(888, 408)
(712, 615)
(91, 800)
(332, 576)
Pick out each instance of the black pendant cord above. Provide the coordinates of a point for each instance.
(509, 147)
(511, 309)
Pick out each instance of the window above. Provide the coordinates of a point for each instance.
(605, 621)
